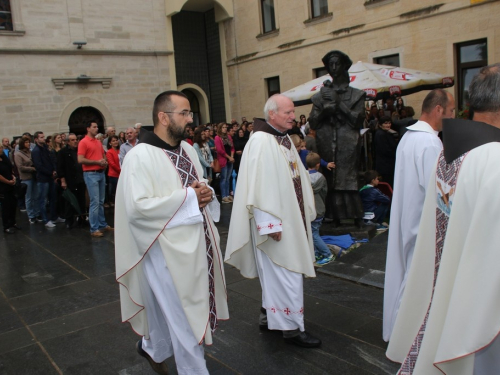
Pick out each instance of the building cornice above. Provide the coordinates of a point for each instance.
(79, 52)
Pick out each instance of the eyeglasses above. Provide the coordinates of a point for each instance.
(184, 113)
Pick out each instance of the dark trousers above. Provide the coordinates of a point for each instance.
(9, 205)
(113, 182)
(70, 212)
(381, 213)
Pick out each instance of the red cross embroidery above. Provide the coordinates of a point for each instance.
(301, 310)
(273, 310)
(287, 311)
(259, 228)
(270, 226)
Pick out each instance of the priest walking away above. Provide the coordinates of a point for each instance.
(168, 259)
(270, 233)
(416, 157)
(448, 322)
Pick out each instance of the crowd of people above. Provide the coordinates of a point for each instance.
(44, 177)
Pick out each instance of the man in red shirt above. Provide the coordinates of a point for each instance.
(91, 156)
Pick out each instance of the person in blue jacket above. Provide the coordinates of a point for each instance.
(374, 201)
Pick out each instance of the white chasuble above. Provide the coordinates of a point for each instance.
(416, 157)
(149, 195)
(266, 183)
(452, 299)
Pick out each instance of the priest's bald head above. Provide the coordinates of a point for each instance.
(437, 105)
(484, 95)
(279, 111)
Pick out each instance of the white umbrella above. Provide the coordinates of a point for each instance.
(378, 81)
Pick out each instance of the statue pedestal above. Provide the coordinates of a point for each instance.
(348, 227)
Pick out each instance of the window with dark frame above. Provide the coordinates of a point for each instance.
(319, 8)
(392, 60)
(273, 86)
(268, 19)
(5, 16)
(320, 72)
(471, 56)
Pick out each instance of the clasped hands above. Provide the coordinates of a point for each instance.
(203, 193)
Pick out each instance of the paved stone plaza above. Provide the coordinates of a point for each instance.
(60, 312)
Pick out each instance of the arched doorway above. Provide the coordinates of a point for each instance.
(195, 106)
(78, 120)
(199, 102)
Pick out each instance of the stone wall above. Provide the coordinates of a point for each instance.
(125, 42)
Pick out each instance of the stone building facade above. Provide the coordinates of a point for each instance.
(425, 35)
(65, 61)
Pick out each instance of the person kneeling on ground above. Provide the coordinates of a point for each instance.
(374, 201)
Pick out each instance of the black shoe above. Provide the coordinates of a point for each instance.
(17, 227)
(39, 219)
(32, 221)
(263, 327)
(304, 340)
(9, 231)
(159, 368)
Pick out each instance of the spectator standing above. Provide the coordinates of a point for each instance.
(121, 137)
(132, 141)
(6, 146)
(225, 155)
(211, 141)
(320, 189)
(27, 174)
(114, 168)
(302, 125)
(110, 131)
(239, 146)
(71, 175)
(45, 177)
(7, 197)
(91, 155)
(56, 145)
(204, 154)
(385, 143)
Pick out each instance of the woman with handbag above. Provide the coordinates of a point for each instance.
(27, 175)
(7, 196)
(225, 155)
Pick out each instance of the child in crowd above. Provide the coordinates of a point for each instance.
(318, 182)
(300, 145)
(374, 201)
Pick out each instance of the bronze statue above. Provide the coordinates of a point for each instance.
(337, 116)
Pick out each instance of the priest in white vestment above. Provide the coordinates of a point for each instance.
(270, 231)
(449, 320)
(416, 156)
(168, 260)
